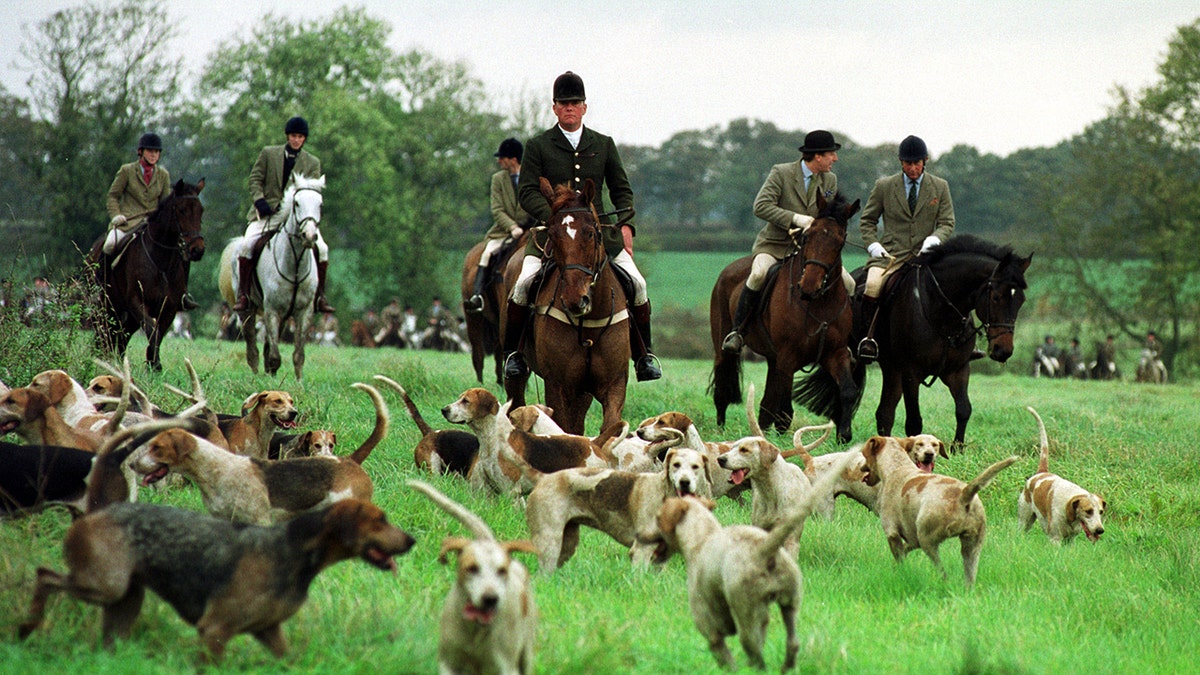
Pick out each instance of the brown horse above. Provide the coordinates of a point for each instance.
(144, 290)
(805, 319)
(926, 330)
(579, 336)
(483, 328)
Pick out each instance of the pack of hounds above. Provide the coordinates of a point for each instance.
(284, 506)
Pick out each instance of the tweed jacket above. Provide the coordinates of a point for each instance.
(903, 230)
(266, 177)
(130, 195)
(781, 197)
(549, 155)
(506, 212)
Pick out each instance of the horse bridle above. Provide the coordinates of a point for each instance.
(603, 260)
(299, 223)
(182, 243)
(827, 281)
(986, 323)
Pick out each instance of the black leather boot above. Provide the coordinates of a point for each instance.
(514, 362)
(644, 361)
(320, 304)
(747, 302)
(475, 302)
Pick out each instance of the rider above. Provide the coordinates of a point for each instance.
(510, 219)
(918, 214)
(787, 201)
(268, 178)
(571, 153)
(134, 195)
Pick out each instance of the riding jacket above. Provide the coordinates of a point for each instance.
(506, 212)
(905, 230)
(132, 197)
(782, 196)
(266, 178)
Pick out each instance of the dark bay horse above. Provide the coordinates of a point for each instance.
(805, 319)
(926, 328)
(578, 340)
(483, 328)
(144, 290)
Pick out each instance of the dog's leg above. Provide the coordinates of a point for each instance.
(752, 630)
(272, 638)
(48, 582)
(896, 543)
(971, 548)
(570, 541)
(792, 646)
(931, 550)
(120, 615)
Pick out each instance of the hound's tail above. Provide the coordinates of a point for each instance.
(408, 404)
(1044, 459)
(460, 513)
(983, 479)
(106, 484)
(382, 420)
(802, 508)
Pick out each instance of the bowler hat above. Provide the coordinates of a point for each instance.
(568, 87)
(510, 147)
(819, 140)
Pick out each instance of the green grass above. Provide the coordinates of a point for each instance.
(1130, 603)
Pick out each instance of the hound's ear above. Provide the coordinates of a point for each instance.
(251, 401)
(667, 458)
(520, 546)
(942, 449)
(907, 442)
(306, 438)
(871, 447)
(333, 437)
(1072, 508)
(1103, 504)
(704, 460)
(449, 545)
(768, 453)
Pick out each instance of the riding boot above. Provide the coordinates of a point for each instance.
(514, 362)
(747, 303)
(321, 305)
(644, 365)
(475, 302)
(868, 349)
(245, 272)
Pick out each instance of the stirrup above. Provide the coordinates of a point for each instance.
(868, 350)
(473, 304)
(515, 366)
(322, 306)
(733, 342)
(188, 302)
(646, 369)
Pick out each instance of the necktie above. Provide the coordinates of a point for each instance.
(912, 196)
(812, 184)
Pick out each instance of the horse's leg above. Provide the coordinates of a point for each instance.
(154, 338)
(957, 383)
(475, 329)
(913, 422)
(271, 358)
(776, 405)
(839, 366)
(726, 382)
(250, 334)
(302, 319)
(889, 398)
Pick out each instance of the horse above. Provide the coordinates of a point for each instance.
(483, 327)
(805, 320)
(285, 274)
(926, 331)
(145, 287)
(578, 339)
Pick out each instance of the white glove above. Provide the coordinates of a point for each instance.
(117, 221)
(515, 232)
(877, 250)
(800, 223)
(930, 242)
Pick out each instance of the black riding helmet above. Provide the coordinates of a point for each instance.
(912, 149)
(150, 141)
(296, 125)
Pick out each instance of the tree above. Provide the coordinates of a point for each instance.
(101, 76)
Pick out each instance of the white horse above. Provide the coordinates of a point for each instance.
(286, 273)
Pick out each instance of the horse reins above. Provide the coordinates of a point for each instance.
(967, 332)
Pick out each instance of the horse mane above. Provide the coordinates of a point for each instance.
(965, 243)
(563, 195)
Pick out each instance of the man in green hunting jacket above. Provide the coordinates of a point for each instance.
(268, 178)
(917, 213)
(509, 219)
(571, 153)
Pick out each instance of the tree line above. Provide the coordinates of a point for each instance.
(407, 141)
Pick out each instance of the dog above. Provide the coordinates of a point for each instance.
(1061, 507)
(314, 443)
(736, 573)
(253, 490)
(223, 578)
(923, 450)
(440, 451)
(775, 483)
(918, 509)
(565, 451)
(65, 394)
(39, 476)
(262, 413)
(28, 413)
(480, 410)
(536, 419)
(618, 503)
(489, 619)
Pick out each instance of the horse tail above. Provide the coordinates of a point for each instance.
(820, 393)
(382, 420)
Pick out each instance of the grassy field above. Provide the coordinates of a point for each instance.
(1129, 603)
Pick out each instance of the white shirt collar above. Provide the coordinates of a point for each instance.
(573, 136)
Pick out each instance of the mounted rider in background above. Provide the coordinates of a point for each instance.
(509, 220)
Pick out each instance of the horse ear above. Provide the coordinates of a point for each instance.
(821, 202)
(200, 185)
(589, 190)
(1025, 262)
(179, 185)
(546, 190)
(853, 208)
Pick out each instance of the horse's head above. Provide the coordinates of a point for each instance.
(183, 207)
(821, 247)
(574, 244)
(302, 206)
(998, 304)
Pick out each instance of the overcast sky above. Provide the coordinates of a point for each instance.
(998, 75)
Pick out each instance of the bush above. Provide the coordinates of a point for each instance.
(43, 328)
